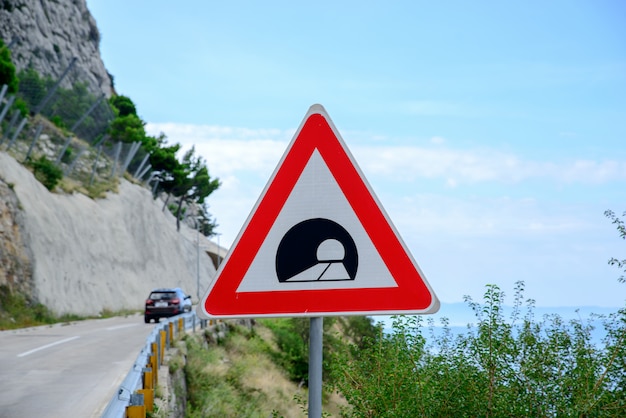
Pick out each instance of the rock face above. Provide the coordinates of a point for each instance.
(16, 270)
(47, 34)
(84, 256)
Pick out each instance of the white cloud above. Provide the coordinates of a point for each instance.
(231, 150)
(407, 163)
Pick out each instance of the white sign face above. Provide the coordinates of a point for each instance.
(317, 242)
(317, 195)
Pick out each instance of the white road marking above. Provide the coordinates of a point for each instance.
(120, 327)
(43, 347)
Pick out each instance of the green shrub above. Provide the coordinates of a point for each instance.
(7, 69)
(58, 122)
(21, 106)
(67, 155)
(515, 367)
(17, 311)
(291, 336)
(47, 173)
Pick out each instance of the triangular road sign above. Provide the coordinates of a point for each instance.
(318, 242)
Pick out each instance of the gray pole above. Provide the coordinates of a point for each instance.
(134, 147)
(95, 164)
(82, 118)
(35, 139)
(118, 147)
(7, 133)
(41, 104)
(144, 171)
(315, 366)
(140, 168)
(198, 259)
(3, 91)
(17, 132)
(6, 108)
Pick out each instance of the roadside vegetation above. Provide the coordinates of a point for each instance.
(516, 365)
(185, 178)
(18, 311)
(238, 375)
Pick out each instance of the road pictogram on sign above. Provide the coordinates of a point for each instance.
(317, 242)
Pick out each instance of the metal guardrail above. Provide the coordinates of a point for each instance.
(144, 371)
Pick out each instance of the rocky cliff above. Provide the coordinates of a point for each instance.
(67, 251)
(83, 256)
(46, 35)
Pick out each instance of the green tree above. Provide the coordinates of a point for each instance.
(128, 129)
(206, 223)
(7, 69)
(124, 105)
(191, 182)
(621, 229)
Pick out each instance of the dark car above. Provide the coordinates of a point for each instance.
(166, 302)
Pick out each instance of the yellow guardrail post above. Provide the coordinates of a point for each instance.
(154, 365)
(171, 333)
(148, 378)
(162, 352)
(136, 409)
(181, 326)
(148, 399)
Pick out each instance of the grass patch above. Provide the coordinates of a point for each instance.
(19, 311)
(238, 378)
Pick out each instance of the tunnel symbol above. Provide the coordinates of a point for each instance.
(316, 250)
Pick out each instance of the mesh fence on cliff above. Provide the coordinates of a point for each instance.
(68, 127)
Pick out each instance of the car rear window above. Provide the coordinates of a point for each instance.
(162, 295)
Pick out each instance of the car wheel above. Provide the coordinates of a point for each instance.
(146, 319)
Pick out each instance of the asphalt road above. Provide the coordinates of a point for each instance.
(67, 370)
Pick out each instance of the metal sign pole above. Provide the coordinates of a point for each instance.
(315, 367)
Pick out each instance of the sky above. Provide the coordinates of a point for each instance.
(492, 133)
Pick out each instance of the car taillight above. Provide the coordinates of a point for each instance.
(149, 302)
(175, 301)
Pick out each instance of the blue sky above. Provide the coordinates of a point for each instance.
(492, 132)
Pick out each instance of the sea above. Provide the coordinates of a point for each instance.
(460, 318)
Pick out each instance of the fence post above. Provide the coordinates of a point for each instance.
(118, 148)
(73, 163)
(143, 173)
(7, 133)
(134, 147)
(54, 88)
(63, 149)
(32, 143)
(6, 108)
(17, 132)
(139, 169)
